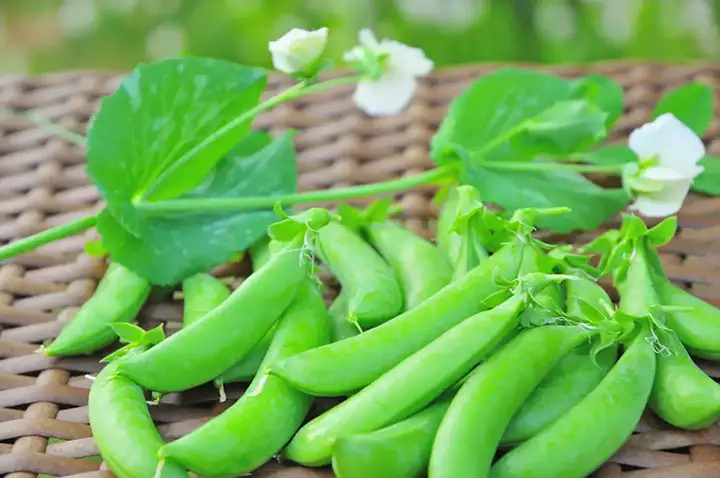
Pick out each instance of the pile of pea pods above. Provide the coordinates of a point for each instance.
(486, 353)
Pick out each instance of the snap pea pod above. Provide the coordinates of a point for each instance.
(682, 394)
(340, 327)
(464, 251)
(409, 386)
(123, 429)
(246, 369)
(420, 267)
(571, 380)
(208, 347)
(118, 298)
(478, 415)
(343, 367)
(587, 435)
(254, 429)
(373, 296)
(698, 328)
(401, 450)
(202, 293)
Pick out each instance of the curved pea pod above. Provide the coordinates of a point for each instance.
(474, 423)
(409, 386)
(202, 293)
(698, 328)
(571, 380)
(462, 246)
(420, 267)
(348, 365)
(254, 429)
(373, 291)
(123, 429)
(340, 327)
(401, 450)
(118, 298)
(202, 351)
(587, 435)
(682, 394)
(246, 369)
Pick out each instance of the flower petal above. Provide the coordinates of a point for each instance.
(385, 97)
(665, 202)
(298, 49)
(671, 141)
(367, 39)
(406, 59)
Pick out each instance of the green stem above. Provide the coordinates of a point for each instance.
(238, 204)
(295, 91)
(549, 166)
(33, 242)
(54, 128)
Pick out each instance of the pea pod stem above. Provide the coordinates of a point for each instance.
(56, 233)
(162, 208)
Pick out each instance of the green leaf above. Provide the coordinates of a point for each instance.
(160, 134)
(692, 104)
(490, 115)
(604, 92)
(128, 333)
(567, 127)
(608, 155)
(154, 336)
(168, 249)
(293, 227)
(708, 181)
(95, 249)
(663, 232)
(590, 205)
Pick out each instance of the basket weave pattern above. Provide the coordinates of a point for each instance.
(43, 184)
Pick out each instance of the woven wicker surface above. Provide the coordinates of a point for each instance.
(42, 184)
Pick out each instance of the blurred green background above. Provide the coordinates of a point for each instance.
(46, 35)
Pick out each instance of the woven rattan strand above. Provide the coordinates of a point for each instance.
(43, 413)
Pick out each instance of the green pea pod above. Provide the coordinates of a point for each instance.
(420, 267)
(341, 327)
(698, 328)
(349, 365)
(478, 415)
(373, 291)
(401, 450)
(682, 394)
(202, 293)
(409, 386)
(571, 380)
(201, 352)
(246, 369)
(118, 298)
(587, 435)
(254, 429)
(123, 429)
(464, 250)
(590, 292)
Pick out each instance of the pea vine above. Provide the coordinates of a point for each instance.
(188, 183)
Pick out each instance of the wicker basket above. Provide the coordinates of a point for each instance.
(42, 184)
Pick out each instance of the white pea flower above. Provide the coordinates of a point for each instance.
(669, 153)
(298, 49)
(391, 70)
